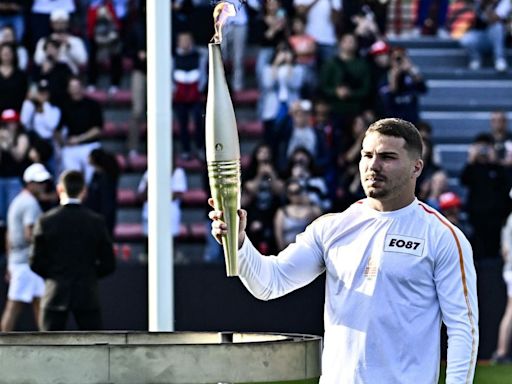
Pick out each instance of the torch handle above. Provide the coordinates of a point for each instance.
(224, 178)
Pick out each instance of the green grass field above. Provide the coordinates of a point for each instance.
(484, 374)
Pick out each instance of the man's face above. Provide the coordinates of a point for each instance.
(264, 154)
(348, 44)
(322, 113)
(300, 117)
(382, 60)
(60, 26)
(387, 170)
(7, 35)
(498, 122)
(6, 55)
(52, 50)
(185, 42)
(75, 89)
(484, 153)
(37, 189)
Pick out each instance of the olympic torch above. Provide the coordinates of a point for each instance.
(222, 145)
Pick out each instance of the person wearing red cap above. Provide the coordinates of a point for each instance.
(379, 59)
(450, 205)
(10, 116)
(449, 200)
(14, 149)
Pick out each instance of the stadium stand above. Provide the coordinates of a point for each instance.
(457, 106)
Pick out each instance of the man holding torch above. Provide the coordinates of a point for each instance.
(395, 269)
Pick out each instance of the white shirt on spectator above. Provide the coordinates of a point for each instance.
(120, 6)
(47, 6)
(302, 138)
(319, 24)
(44, 123)
(74, 53)
(503, 9)
(178, 184)
(241, 17)
(22, 57)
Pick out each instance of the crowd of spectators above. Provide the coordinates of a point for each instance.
(51, 53)
(325, 71)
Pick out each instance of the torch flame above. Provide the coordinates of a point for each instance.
(221, 12)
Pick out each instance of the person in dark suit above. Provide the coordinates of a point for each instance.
(71, 250)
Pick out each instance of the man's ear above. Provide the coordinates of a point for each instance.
(418, 167)
(83, 194)
(59, 188)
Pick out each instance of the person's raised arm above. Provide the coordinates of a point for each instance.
(269, 277)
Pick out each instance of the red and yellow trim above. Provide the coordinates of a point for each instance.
(464, 284)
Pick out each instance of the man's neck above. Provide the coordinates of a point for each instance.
(390, 205)
(29, 191)
(347, 56)
(65, 200)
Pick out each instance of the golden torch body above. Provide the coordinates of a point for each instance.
(223, 155)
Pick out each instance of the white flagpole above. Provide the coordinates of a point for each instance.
(160, 248)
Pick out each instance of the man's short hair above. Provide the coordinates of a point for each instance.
(400, 128)
(73, 182)
(484, 138)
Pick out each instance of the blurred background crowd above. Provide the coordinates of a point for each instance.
(307, 78)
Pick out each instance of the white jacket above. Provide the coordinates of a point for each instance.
(391, 278)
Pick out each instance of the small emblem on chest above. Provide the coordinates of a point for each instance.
(404, 244)
(370, 272)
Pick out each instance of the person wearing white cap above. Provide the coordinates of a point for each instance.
(72, 49)
(40, 15)
(24, 285)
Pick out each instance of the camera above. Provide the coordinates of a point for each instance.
(483, 151)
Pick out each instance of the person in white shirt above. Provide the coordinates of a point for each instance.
(502, 353)
(178, 186)
(41, 119)
(320, 24)
(395, 268)
(488, 33)
(234, 41)
(40, 15)
(25, 287)
(38, 114)
(72, 49)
